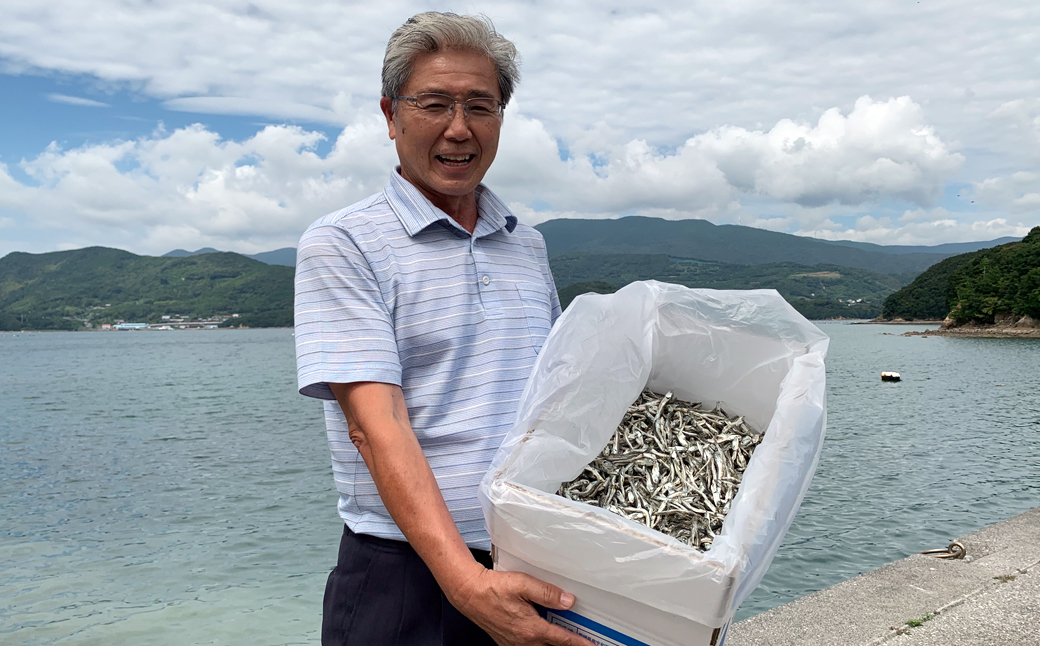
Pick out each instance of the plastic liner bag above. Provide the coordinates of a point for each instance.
(749, 350)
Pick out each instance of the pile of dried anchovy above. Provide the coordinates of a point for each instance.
(671, 466)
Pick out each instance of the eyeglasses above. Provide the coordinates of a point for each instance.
(442, 106)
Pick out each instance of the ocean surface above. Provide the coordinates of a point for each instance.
(173, 488)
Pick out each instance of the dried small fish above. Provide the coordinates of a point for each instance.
(670, 466)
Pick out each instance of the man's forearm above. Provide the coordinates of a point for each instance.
(498, 602)
(379, 428)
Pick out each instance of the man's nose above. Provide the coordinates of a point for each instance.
(457, 128)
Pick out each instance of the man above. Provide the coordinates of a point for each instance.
(419, 313)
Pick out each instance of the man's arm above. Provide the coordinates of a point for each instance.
(498, 602)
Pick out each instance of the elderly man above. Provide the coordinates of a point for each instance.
(419, 313)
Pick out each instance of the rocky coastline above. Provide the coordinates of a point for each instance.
(899, 321)
(1006, 326)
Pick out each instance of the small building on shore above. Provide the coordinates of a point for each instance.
(130, 326)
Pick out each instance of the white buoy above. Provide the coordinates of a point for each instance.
(890, 376)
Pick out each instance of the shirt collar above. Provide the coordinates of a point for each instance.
(417, 213)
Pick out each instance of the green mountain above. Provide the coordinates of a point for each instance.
(184, 253)
(975, 287)
(820, 291)
(65, 290)
(284, 256)
(927, 297)
(997, 283)
(88, 287)
(287, 255)
(721, 243)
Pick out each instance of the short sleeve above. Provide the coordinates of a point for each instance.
(344, 331)
(554, 298)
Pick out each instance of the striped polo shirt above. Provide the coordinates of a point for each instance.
(393, 290)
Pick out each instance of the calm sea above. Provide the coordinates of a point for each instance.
(172, 488)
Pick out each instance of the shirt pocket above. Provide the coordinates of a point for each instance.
(537, 311)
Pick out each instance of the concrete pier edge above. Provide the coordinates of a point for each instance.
(991, 597)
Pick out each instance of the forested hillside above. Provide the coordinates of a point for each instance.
(820, 291)
(71, 290)
(975, 287)
(998, 282)
(65, 290)
(284, 256)
(928, 296)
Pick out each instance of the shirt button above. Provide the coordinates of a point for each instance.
(485, 280)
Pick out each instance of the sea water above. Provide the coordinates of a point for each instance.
(173, 487)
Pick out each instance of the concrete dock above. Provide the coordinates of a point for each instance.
(990, 598)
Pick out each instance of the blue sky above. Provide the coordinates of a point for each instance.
(156, 125)
(41, 108)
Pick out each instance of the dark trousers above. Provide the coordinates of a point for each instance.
(381, 593)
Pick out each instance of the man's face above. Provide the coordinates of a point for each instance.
(448, 157)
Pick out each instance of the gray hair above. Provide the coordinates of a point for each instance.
(431, 32)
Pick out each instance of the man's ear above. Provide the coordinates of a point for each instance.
(386, 104)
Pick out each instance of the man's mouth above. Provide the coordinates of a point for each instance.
(455, 160)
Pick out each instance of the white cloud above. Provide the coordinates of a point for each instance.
(925, 215)
(13, 194)
(651, 70)
(76, 100)
(343, 108)
(191, 188)
(658, 108)
(882, 149)
(1024, 114)
(782, 225)
(996, 228)
(927, 232)
(1030, 202)
(1018, 193)
(278, 59)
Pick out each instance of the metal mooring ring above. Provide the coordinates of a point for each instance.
(954, 550)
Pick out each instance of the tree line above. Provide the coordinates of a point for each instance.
(975, 288)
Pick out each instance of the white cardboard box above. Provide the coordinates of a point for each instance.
(748, 349)
(608, 619)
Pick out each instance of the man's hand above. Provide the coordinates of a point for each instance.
(500, 603)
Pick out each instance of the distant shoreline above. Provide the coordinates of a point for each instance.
(900, 322)
(993, 332)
